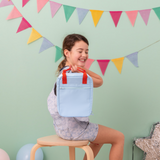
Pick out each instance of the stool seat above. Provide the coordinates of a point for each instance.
(55, 140)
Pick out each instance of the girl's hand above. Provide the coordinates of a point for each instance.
(73, 68)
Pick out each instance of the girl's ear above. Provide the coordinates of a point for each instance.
(67, 53)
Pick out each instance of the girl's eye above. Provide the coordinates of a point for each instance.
(80, 52)
(86, 52)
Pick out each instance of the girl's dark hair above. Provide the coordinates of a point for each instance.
(68, 42)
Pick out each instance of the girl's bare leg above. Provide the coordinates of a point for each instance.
(110, 136)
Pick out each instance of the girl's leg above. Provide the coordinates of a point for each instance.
(115, 138)
(95, 148)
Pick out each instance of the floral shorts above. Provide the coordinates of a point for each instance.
(90, 133)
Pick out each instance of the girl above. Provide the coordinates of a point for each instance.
(75, 52)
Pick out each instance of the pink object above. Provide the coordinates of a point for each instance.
(24, 2)
(103, 65)
(88, 63)
(54, 7)
(23, 25)
(41, 4)
(5, 3)
(115, 16)
(145, 14)
(14, 14)
(132, 15)
(3, 155)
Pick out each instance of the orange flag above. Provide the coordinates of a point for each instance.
(118, 62)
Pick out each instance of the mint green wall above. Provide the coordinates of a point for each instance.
(128, 102)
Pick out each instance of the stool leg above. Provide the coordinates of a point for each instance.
(71, 153)
(33, 151)
(88, 151)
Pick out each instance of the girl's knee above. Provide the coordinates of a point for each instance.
(121, 138)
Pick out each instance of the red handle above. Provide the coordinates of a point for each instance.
(64, 77)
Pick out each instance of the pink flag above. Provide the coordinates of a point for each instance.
(54, 7)
(88, 63)
(41, 4)
(24, 2)
(14, 13)
(115, 16)
(23, 25)
(103, 65)
(132, 15)
(145, 14)
(5, 3)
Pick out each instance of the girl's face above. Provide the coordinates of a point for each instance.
(78, 54)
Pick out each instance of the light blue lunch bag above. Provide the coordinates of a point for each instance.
(74, 94)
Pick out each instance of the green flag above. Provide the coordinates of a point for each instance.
(157, 11)
(68, 10)
(58, 53)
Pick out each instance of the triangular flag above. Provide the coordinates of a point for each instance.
(157, 11)
(88, 63)
(145, 15)
(45, 45)
(24, 2)
(14, 13)
(96, 15)
(132, 15)
(118, 62)
(115, 16)
(103, 65)
(34, 36)
(23, 25)
(68, 10)
(133, 58)
(41, 4)
(5, 3)
(54, 7)
(58, 53)
(81, 14)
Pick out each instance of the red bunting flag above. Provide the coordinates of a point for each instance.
(103, 65)
(23, 25)
(115, 16)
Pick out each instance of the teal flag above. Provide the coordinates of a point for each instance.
(68, 10)
(157, 11)
(58, 53)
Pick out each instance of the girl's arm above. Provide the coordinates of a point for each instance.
(97, 80)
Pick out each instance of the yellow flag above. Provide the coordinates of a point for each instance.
(118, 62)
(34, 36)
(96, 15)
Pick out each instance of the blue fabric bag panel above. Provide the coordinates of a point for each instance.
(74, 99)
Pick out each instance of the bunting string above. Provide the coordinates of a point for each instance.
(103, 63)
(96, 14)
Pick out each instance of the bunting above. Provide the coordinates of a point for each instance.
(68, 10)
(81, 14)
(5, 3)
(58, 53)
(118, 62)
(145, 15)
(157, 11)
(133, 58)
(132, 15)
(54, 7)
(96, 15)
(88, 63)
(103, 64)
(14, 14)
(34, 36)
(24, 2)
(45, 45)
(41, 4)
(115, 16)
(23, 25)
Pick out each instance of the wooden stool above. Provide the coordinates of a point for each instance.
(54, 140)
